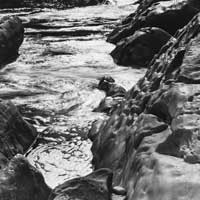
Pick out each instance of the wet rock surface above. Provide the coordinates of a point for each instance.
(168, 15)
(139, 49)
(151, 142)
(143, 33)
(96, 185)
(21, 181)
(16, 135)
(114, 95)
(11, 37)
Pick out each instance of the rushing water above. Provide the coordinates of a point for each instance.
(53, 82)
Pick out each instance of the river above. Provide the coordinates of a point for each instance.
(53, 81)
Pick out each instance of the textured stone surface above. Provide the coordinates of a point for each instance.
(20, 181)
(139, 49)
(151, 142)
(97, 185)
(16, 135)
(168, 15)
(114, 95)
(11, 37)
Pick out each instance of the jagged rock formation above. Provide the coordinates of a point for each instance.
(151, 142)
(169, 15)
(11, 37)
(47, 3)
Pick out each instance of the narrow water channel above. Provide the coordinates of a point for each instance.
(53, 82)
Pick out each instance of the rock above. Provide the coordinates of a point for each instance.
(114, 95)
(168, 15)
(21, 181)
(16, 135)
(11, 37)
(108, 85)
(139, 49)
(151, 141)
(97, 185)
(47, 3)
(109, 104)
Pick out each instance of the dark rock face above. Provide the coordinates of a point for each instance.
(108, 85)
(139, 49)
(16, 135)
(47, 3)
(114, 95)
(97, 185)
(20, 181)
(168, 15)
(11, 37)
(151, 142)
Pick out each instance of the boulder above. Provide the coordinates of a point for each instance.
(21, 181)
(97, 185)
(16, 135)
(139, 49)
(11, 37)
(107, 84)
(114, 95)
(151, 141)
(168, 15)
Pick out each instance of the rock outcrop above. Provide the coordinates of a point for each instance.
(135, 46)
(20, 181)
(139, 49)
(168, 15)
(11, 37)
(97, 185)
(151, 142)
(114, 95)
(47, 3)
(16, 135)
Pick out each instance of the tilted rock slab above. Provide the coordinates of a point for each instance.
(152, 141)
(11, 37)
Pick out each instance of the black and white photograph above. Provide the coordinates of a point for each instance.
(99, 99)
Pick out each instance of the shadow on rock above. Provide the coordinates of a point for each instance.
(97, 185)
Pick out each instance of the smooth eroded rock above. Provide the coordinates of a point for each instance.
(139, 49)
(21, 181)
(151, 141)
(11, 37)
(97, 185)
(168, 15)
(16, 135)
